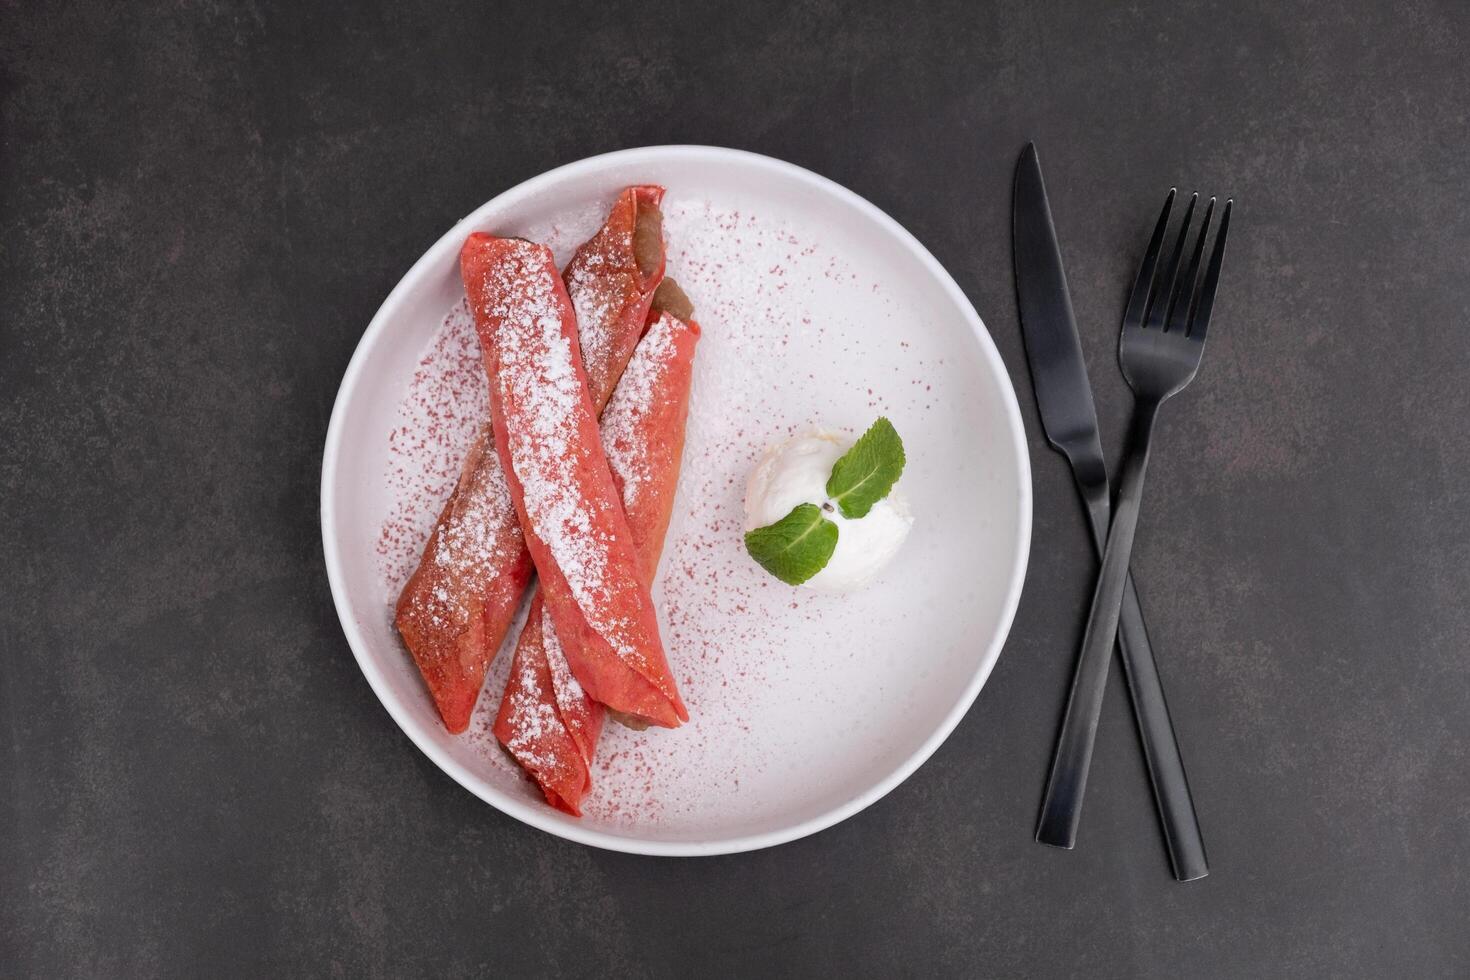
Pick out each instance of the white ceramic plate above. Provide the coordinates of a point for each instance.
(817, 309)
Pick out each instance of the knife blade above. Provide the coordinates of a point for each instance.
(1069, 418)
(1048, 325)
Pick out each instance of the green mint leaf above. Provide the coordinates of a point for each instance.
(796, 547)
(867, 471)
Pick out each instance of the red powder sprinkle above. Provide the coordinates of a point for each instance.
(446, 401)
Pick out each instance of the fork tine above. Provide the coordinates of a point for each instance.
(1183, 299)
(1158, 310)
(1199, 324)
(1138, 299)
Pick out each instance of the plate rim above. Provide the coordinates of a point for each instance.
(537, 814)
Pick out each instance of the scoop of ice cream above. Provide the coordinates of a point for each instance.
(795, 472)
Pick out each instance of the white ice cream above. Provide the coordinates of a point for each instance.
(796, 472)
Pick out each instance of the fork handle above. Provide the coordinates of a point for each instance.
(1175, 803)
(1061, 809)
(1182, 837)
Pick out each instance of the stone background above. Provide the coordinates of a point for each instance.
(204, 203)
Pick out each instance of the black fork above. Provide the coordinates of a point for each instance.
(1163, 337)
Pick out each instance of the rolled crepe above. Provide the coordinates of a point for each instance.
(457, 606)
(545, 423)
(455, 609)
(546, 720)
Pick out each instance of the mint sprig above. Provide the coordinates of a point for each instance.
(800, 544)
(796, 547)
(866, 472)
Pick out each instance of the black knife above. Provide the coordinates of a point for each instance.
(1064, 399)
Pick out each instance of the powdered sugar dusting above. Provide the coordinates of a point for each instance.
(595, 300)
(473, 544)
(531, 719)
(627, 451)
(446, 402)
(570, 698)
(540, 378)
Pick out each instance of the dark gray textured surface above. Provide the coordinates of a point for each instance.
(203, 205)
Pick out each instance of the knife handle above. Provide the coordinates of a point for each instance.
(1160, 747)
(1172, 797)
